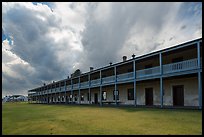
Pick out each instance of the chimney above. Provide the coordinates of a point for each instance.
(110, 63)
(124, 58)
(91, 68)
(133, 56)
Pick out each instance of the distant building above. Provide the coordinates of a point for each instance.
(15, 98)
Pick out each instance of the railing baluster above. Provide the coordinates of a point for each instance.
(181, 66)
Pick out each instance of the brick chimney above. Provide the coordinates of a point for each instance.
(124, 58)
(91, 68)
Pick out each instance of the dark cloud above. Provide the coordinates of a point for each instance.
(33, 46)
(105, 35)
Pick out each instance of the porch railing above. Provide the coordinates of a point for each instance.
(125, 76)
(167, 68)
(95, 82)
(68, 87)
(148, 72)
(108, 79)
(75, 86)
(62, 88)
(180, 66)
(85, 84)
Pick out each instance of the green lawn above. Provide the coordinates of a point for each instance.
(24, 118)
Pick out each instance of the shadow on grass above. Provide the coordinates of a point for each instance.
(131, 108)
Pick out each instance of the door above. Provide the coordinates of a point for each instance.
(96, 98)
(67, 99)
(178, 95)
(149, 96)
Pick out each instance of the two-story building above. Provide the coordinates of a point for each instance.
(166, 78)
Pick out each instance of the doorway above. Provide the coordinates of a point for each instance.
(149, 96)
(96, 98)
(178, 95)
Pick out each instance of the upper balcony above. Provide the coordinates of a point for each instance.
(172, 68)
(109, 79)
(182, 66)
(95, 82)
(84, 84)
(76, 86)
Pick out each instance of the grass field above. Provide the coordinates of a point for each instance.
(24, 118)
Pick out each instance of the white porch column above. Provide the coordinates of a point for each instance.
(89, 89)
(72, 91)
(51, 95)
(134, 74)
(199, 77)
(65, 93)
(79, 91)
(47, 95)
(116, 92)
(100, 93)
(161, 80)
(55, 95)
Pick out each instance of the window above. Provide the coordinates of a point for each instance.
(117, 94)
(82, 97)
(130, 94)
(103, 95)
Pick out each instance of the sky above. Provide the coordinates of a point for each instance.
(45, 42)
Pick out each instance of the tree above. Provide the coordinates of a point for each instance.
(76, 73)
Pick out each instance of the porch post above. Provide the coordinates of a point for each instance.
(198, 54)
(115, 71)
(161, 80)
(59, 90)
(50, 102)
(199, 77)
(200, 90)
(59, 95)
(89, 89)
(55, 95)
(134, 74)
(72, 90)
(100, 89)
(79, 91)
(47, 95)
(65, 95)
